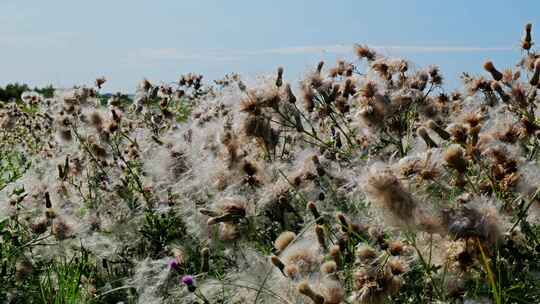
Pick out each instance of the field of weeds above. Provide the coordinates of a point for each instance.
(363, 182)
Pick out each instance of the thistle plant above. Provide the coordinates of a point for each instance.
(365, 181)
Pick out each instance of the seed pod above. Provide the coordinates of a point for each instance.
(474, 132)
(205, 257)
(454, 158)
(320, 170)
(526, 43)
(536, 75)
(319, 230)
(289, 93)
(345, 225)
(313, 209)
(488, 66)
(278, 263)
(48, 203)
(495, 86)
(60, 172)
(306, 290)
(208, 212)
(422, 132)
(335, 253)
(438, 129)
(283, 240)
(279, 79)
(320, 66)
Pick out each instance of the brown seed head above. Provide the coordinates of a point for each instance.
(454, 158)
(488, 66)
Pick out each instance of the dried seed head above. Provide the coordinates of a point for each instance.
(305, 289)
(205, 259)
(65, 134)
(396, 247)
(277, 262)
(438, 129)
(422, 132)
(96, 120)
(40, 226)
(320, 66)
(329, 267)
(100, 81)
(48, 203)
(289, 95)
(365, 254)
(369, 89)
(319, 230)
(283, 240)
(489, 67)
(291, 271)
(536, 76)
(519, 95)
(309, 98)
(279, 79)
(23, 269)
(435, 75)
(458, 133)
(249, 168)
(454, 157)
(468, 221)
(61, 230)
(335, 253)
(495, 86)
(312, 207)
(363, 51)
(397, 266)
(526, 43)
(344, 221)
(333, 291)
(387, 192)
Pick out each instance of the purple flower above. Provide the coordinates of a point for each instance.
(189, 281)
(173, 264)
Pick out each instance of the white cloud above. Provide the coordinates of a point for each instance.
(167, 54)
(444, 49)
(35, 40)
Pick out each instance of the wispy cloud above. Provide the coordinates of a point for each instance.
(173, 54)
(35, 40)
(444, 49)
(167, 54)
(343, 49)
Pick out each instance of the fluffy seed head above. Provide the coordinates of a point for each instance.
(332, 291)
(283, 240)
(329, 267)
(305, 289)
(455, 158)
(61, 230)
(363, 51)
(397, 266)
(365, 253)
(386, 190)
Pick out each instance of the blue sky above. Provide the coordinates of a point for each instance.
(68, 42)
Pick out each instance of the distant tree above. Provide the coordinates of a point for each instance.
(13, 91)
(47, 92)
